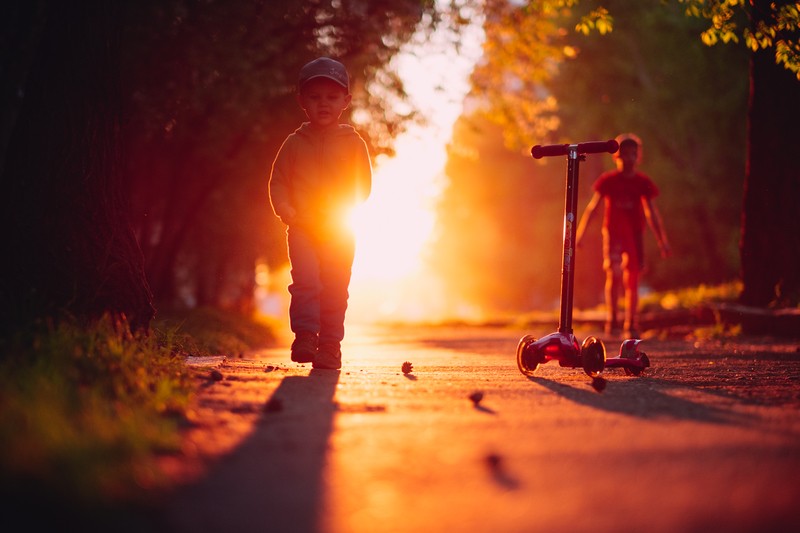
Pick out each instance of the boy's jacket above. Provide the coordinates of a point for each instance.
(321, 174)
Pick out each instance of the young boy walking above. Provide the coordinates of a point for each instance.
(321, 171)
(628, 199)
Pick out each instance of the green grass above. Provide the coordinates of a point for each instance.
(687, 298)
(211, 331)
(84, 410)
(690, 297)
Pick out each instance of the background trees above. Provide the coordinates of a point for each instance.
(213, 97)
(137, 140)
(542, 81)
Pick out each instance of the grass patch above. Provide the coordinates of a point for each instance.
(85, 409)
(208, 331)
(690, 297)
(719, 331)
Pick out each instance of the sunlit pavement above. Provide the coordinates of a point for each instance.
(707, 439)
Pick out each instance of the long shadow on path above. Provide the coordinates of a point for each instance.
(273, 480)
(643, 398)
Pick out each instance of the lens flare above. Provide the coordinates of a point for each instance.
(394, 228)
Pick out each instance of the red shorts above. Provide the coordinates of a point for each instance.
(624, 248)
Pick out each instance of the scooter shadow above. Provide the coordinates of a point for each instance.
(642, 397)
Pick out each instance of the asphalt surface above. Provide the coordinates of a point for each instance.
(707, 439)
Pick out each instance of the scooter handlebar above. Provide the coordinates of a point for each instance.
(590, 147)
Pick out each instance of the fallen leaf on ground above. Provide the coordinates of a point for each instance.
(476, 397)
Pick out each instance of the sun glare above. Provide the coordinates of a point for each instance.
(395, 226)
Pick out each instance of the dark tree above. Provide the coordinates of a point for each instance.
(770, 245)
(67, 242)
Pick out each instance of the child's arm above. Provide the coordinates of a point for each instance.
(363, 173)
(279, 195)
(588, 214)
(656, 225)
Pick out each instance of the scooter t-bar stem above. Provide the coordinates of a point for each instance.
(568, 266)
(589, 147)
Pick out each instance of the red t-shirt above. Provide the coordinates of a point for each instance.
(622, 197)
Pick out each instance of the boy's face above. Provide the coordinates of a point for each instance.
(627, 157)
(323, 100)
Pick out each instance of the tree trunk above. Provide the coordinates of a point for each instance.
(66, 231)
(770, 244)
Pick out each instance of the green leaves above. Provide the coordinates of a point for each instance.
(543, 80)
(777, 27)
(598, 19)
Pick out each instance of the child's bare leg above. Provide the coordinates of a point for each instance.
(631, 281)
(612, 288)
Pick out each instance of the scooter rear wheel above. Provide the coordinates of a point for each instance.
(632, 371)
(525, 362)
(637, 371)
(593, 356)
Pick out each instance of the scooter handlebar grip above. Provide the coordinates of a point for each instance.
(598, 147)
(590, 147)
(549, 150)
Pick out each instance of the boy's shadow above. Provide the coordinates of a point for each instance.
(273, 480)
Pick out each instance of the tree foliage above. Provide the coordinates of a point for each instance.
(651, 75)
(776, 28)
(213, 97)
(565, 71)
(157, 122)
(498, 225)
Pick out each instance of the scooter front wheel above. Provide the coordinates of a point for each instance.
(593, 356)
(525, 360)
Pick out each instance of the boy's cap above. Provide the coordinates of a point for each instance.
(324, 67)
(628, 138)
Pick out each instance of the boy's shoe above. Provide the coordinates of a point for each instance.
(329, 356)
(304, 347)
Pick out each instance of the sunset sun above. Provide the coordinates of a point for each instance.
(394, 228)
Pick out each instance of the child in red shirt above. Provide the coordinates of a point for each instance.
(628, 200)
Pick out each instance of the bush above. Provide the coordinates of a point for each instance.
(84, 409)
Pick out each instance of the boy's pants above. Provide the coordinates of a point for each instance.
(322, 263)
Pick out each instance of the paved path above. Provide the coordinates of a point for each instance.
(707, 440)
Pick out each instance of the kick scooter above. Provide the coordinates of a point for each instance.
(562, 345)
